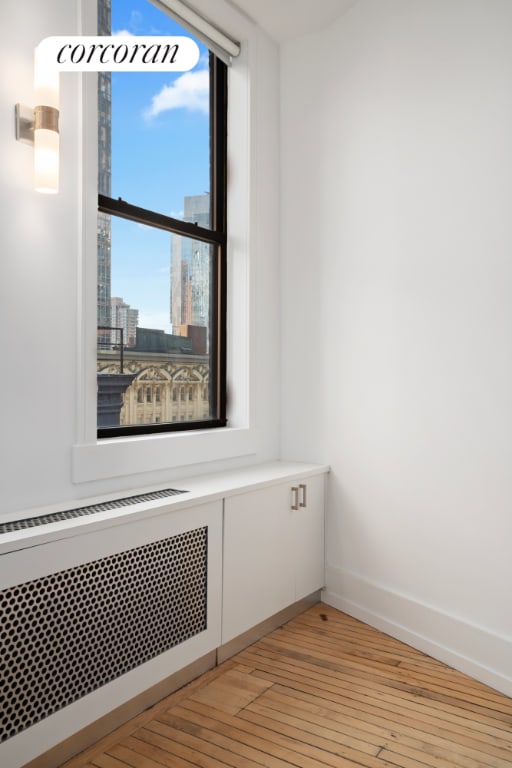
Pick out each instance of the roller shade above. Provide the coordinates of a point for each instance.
(216, 40)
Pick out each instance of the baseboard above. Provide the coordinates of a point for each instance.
(466, 647)
(92, 733)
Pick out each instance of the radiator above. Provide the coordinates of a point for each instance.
(97, 606)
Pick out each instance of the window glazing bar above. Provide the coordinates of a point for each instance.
(216, 40)
(159, 220)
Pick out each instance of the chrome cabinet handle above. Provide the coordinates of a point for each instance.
(295, 497)
(303, 488)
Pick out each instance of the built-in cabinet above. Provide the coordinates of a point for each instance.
(308, 524)
(254, 535)
(273, 551)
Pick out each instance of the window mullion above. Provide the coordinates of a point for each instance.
(131, 212)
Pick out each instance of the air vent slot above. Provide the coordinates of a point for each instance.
(67, 634)
(92, 509)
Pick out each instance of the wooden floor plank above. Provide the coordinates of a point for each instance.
(260, 739)
(116, 736)
(226, 746)
(323, 691)
(382, 706)
(301, 670)
(360, 639)
(231, 692)
(402, 680)
(161, 735)
(383, 732)
(310, 635)
(188, 752)
(292, 750)
(366, 715)
(332, 679)
(131, 758)
(107, 761)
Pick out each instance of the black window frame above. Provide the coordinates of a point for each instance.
(216, 236)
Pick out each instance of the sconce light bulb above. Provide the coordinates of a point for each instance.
(46, 129)
(46, 160)
(46, 82)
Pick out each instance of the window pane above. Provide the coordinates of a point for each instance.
(160, 122)
(160, 333)
(161, 310)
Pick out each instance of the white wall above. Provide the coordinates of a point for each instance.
(47, 454)
(397, 314)
(396, 268)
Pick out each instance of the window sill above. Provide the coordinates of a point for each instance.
(119, 457)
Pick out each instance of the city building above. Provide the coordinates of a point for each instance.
(124, 317)
(104, 234)
(169, 386)
(190, 269)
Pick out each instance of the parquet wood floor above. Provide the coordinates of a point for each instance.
(323, 690)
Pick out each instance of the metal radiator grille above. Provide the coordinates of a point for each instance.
(92, 509)
(67, 634)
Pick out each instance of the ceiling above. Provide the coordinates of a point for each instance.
(286, 19)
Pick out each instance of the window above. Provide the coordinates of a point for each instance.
(161, 234)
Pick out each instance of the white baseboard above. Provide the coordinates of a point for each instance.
(466, 647)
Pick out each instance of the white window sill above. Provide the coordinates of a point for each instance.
(119, 457)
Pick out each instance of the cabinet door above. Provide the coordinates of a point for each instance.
(259, 558)
(308, 531)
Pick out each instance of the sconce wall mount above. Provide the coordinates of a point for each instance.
(29, 120)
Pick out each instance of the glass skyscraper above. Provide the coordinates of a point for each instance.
(104, 178)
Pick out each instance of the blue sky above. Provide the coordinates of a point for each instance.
(160, 153)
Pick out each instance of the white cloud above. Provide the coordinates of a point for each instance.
(122, 33)
(188, 91)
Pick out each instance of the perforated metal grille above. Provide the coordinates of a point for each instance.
(92, 509)
(67, 634)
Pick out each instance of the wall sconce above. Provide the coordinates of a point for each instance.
(40, 126)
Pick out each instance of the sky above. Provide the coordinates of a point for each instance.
(160, 153)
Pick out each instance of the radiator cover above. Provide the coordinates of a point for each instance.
(65, 635)
(90, 509)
